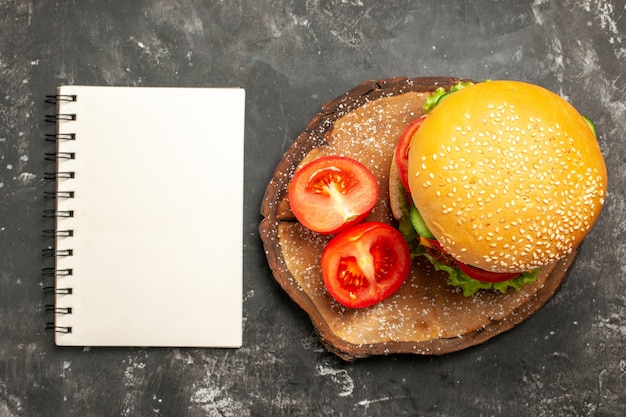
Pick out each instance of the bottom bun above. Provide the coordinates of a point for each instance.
(426, 316)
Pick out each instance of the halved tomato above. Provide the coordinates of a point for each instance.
(365, 264)
(332, 193)
(402, 150)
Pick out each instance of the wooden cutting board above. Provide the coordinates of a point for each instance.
(426, 316)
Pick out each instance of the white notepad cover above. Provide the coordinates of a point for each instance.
(157, 216)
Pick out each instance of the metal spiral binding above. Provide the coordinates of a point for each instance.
(58, 213)
(52, 290)
(55, 98)
(57, 233)
(53, 156)
(54, 117)
(55, 272)
(55, 253)
(51, 308)
(58, 175)
(53, 195)
(50, 326)
(55, 137)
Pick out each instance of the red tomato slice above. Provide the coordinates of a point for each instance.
(486, 276)
(365, 264)
(402, 150)
(477, 273)
(332, 193)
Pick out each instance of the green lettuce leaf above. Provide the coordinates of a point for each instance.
(461, 85)
(406, 228)
(437, 95)
(431, 100)
(410, 235)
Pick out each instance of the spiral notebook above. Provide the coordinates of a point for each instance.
(149, 205)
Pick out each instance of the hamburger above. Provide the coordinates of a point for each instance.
(426, 315)
(497, 180)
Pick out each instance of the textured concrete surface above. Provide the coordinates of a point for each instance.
(567, 360)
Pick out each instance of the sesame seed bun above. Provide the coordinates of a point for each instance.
(508, 176)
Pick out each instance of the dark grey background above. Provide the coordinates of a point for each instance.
(291, 57)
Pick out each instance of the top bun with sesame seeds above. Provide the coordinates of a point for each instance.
(507, 176)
